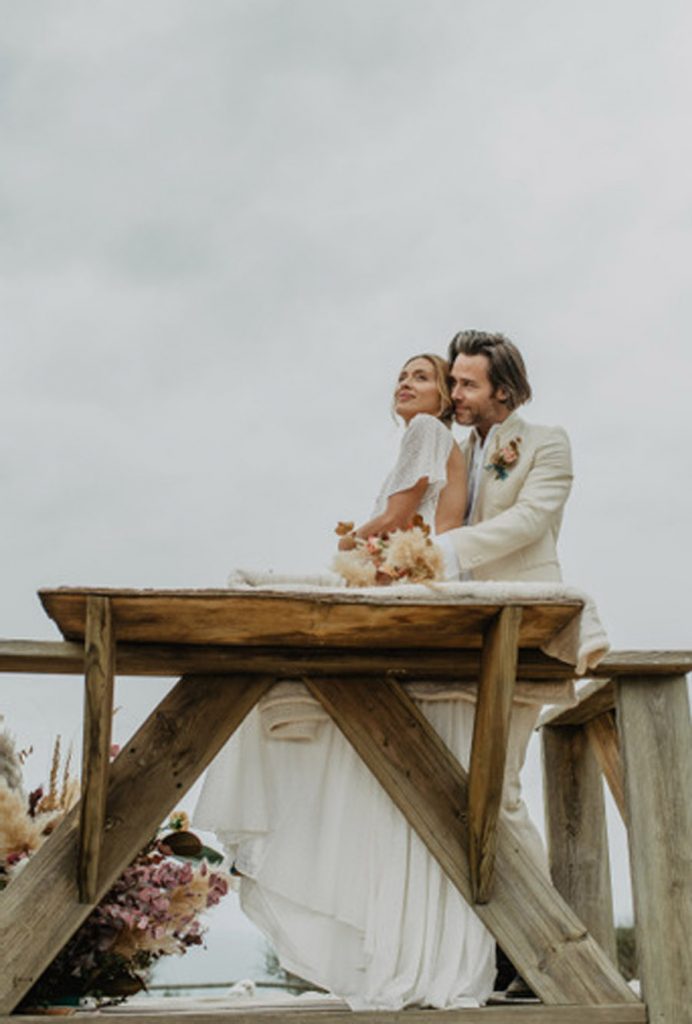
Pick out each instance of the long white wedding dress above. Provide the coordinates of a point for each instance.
(331, 872)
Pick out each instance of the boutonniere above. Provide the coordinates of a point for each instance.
(504, 458)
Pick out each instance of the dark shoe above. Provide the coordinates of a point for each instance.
(506, 971)
(518, 989)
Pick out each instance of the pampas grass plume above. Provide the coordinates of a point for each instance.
(355, 567)
(10, 765)
(413, 552)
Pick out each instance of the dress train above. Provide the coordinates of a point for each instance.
(334, 876)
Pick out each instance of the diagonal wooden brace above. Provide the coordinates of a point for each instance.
(605, 743)
(545, 940)
(489, 746)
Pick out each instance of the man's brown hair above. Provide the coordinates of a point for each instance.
(506, 367)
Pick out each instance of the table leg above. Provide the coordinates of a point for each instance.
(99, 657)
(489, 746)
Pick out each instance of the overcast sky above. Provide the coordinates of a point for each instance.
(225, 224)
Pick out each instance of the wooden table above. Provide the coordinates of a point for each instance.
(353, 655)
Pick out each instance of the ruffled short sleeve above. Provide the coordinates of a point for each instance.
(425, 449)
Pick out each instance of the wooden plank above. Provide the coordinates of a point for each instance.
(594, 699)
(41, 909)
(344, 620)
(42, 656)
(143, 659)
(67, 658)
(542, 936)
(649, 663)
(631, 1013)
(576, 830)
(489, 746)
(603, 736)
(654, 723)
(99, 657)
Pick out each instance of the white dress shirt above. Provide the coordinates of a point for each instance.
(453, 569)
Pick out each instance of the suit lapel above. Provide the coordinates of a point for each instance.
(511, 427)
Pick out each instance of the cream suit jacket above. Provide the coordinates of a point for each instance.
(516, 520)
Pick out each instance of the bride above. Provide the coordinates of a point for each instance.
(330, 871)
(429, 477)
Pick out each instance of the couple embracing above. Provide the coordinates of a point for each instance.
(496, 505)
(329, 869)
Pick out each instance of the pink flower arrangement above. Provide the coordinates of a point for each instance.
(504, 458)
(152, 910)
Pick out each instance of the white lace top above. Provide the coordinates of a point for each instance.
(425, 449)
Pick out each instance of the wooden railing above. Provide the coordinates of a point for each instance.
(634, 728)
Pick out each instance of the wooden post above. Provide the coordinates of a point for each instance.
(603, 736)
(543, 937)
(654, 723)
(489, 745)
(576, 829)
(41, 910)
(99, 658)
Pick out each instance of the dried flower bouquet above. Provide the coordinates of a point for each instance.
(403, 556)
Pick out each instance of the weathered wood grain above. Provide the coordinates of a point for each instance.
(597, 696)
(223, 617)
(42, 656)
(489, 746)
(651, 663)
(143, 659)
(99, 657)
(576, 830)
(656, 742)
(41, 908)
(602, 732)
(539, 932)
(631, 1013)
(67, 658)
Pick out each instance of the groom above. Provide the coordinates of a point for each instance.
(519, 477)
(520, 474)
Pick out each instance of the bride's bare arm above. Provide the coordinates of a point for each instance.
(451, 506)
(400, 510)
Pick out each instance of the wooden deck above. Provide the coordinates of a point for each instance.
(327, 1013)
